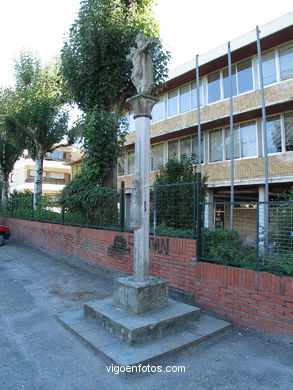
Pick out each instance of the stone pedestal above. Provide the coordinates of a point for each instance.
(140, 297)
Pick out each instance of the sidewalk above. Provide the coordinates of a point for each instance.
(37, 353)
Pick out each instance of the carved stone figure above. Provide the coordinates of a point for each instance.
(142, 75)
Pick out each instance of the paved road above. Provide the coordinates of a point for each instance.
(37, 353)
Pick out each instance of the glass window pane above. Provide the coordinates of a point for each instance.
(158, 112)
(274, 143)
(195, 148)
(194, 94)
(228, 143)
(185, 98)
(269, 67)
(289, 131)
(173, 149)
(172, 103)
(157, 157)
(185, 147)
(248, 139)
(226, 82)
(214, 88)
(130, 163)
(120, 166)
(286, 62)
(244, 75)
(216, 146)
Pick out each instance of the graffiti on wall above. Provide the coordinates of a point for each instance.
(123, 245)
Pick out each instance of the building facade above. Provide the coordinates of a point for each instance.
(56, 174)
(174, 123)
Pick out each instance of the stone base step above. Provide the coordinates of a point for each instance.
(121, 353)
(137, 329)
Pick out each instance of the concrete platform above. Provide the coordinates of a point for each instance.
(121, 353)
(138, 329)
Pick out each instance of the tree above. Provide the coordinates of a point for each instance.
(175, 193)
(98, 74)
(11, 147)
(38, 111)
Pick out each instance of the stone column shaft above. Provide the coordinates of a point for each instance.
(142, 105)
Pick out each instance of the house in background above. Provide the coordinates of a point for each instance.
(56, 174)
(174, 123)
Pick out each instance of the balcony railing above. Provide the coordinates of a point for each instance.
(64, 181)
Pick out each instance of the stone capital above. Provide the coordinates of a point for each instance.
(142, 105)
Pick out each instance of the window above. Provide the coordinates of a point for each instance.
(120, 166)
(236, 135)
(248, 139)
(172, 103)
(194, 94)
(274, 140)
(56, 154)
(226, 85)
(32, 174)
(158, 112)
(244, 76)
(286, 61)
(57, 175)
(216, 146)
(269, 67)
(157, 157)
(185, 147)
(185, 98)
(214, 87)
(289, 131)
(195, 148)
(173, 149)
(130, 163)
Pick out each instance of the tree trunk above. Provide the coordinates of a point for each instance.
(5, 187)
(38, 176)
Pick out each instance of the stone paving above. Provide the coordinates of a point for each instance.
(38, 353)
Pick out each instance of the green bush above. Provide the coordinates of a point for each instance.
(227, 247)
(90, 204)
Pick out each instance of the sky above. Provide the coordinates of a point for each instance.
(188, 27)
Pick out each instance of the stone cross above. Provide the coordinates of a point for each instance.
(142, 103)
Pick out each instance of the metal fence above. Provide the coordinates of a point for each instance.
(249, 245)
(175, 211)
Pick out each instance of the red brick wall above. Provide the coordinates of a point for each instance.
(256, 299)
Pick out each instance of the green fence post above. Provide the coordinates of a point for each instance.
(155, 211)
(122, 207)
(194, 209)
(63, 215)
(32, 205)
(199, 221)
(257, 237)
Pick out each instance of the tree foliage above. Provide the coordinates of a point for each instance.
(37, 110)
(11, 145)
(98, 74)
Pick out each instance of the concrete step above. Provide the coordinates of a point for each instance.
(121, 353)
(140, 328)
